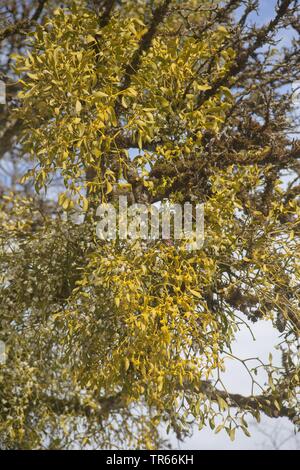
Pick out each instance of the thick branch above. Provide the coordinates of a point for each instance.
(107, 10)
(145, 43)
(262, 403)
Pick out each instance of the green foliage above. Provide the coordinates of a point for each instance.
(108, 341)
(76, 111)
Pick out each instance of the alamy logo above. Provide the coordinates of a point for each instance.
(168, 222)
(2, 93)
(2, 353)
(296, 92)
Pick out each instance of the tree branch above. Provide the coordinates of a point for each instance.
(23, 25)
(242, 59)
(259, 403)
(145, 43)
